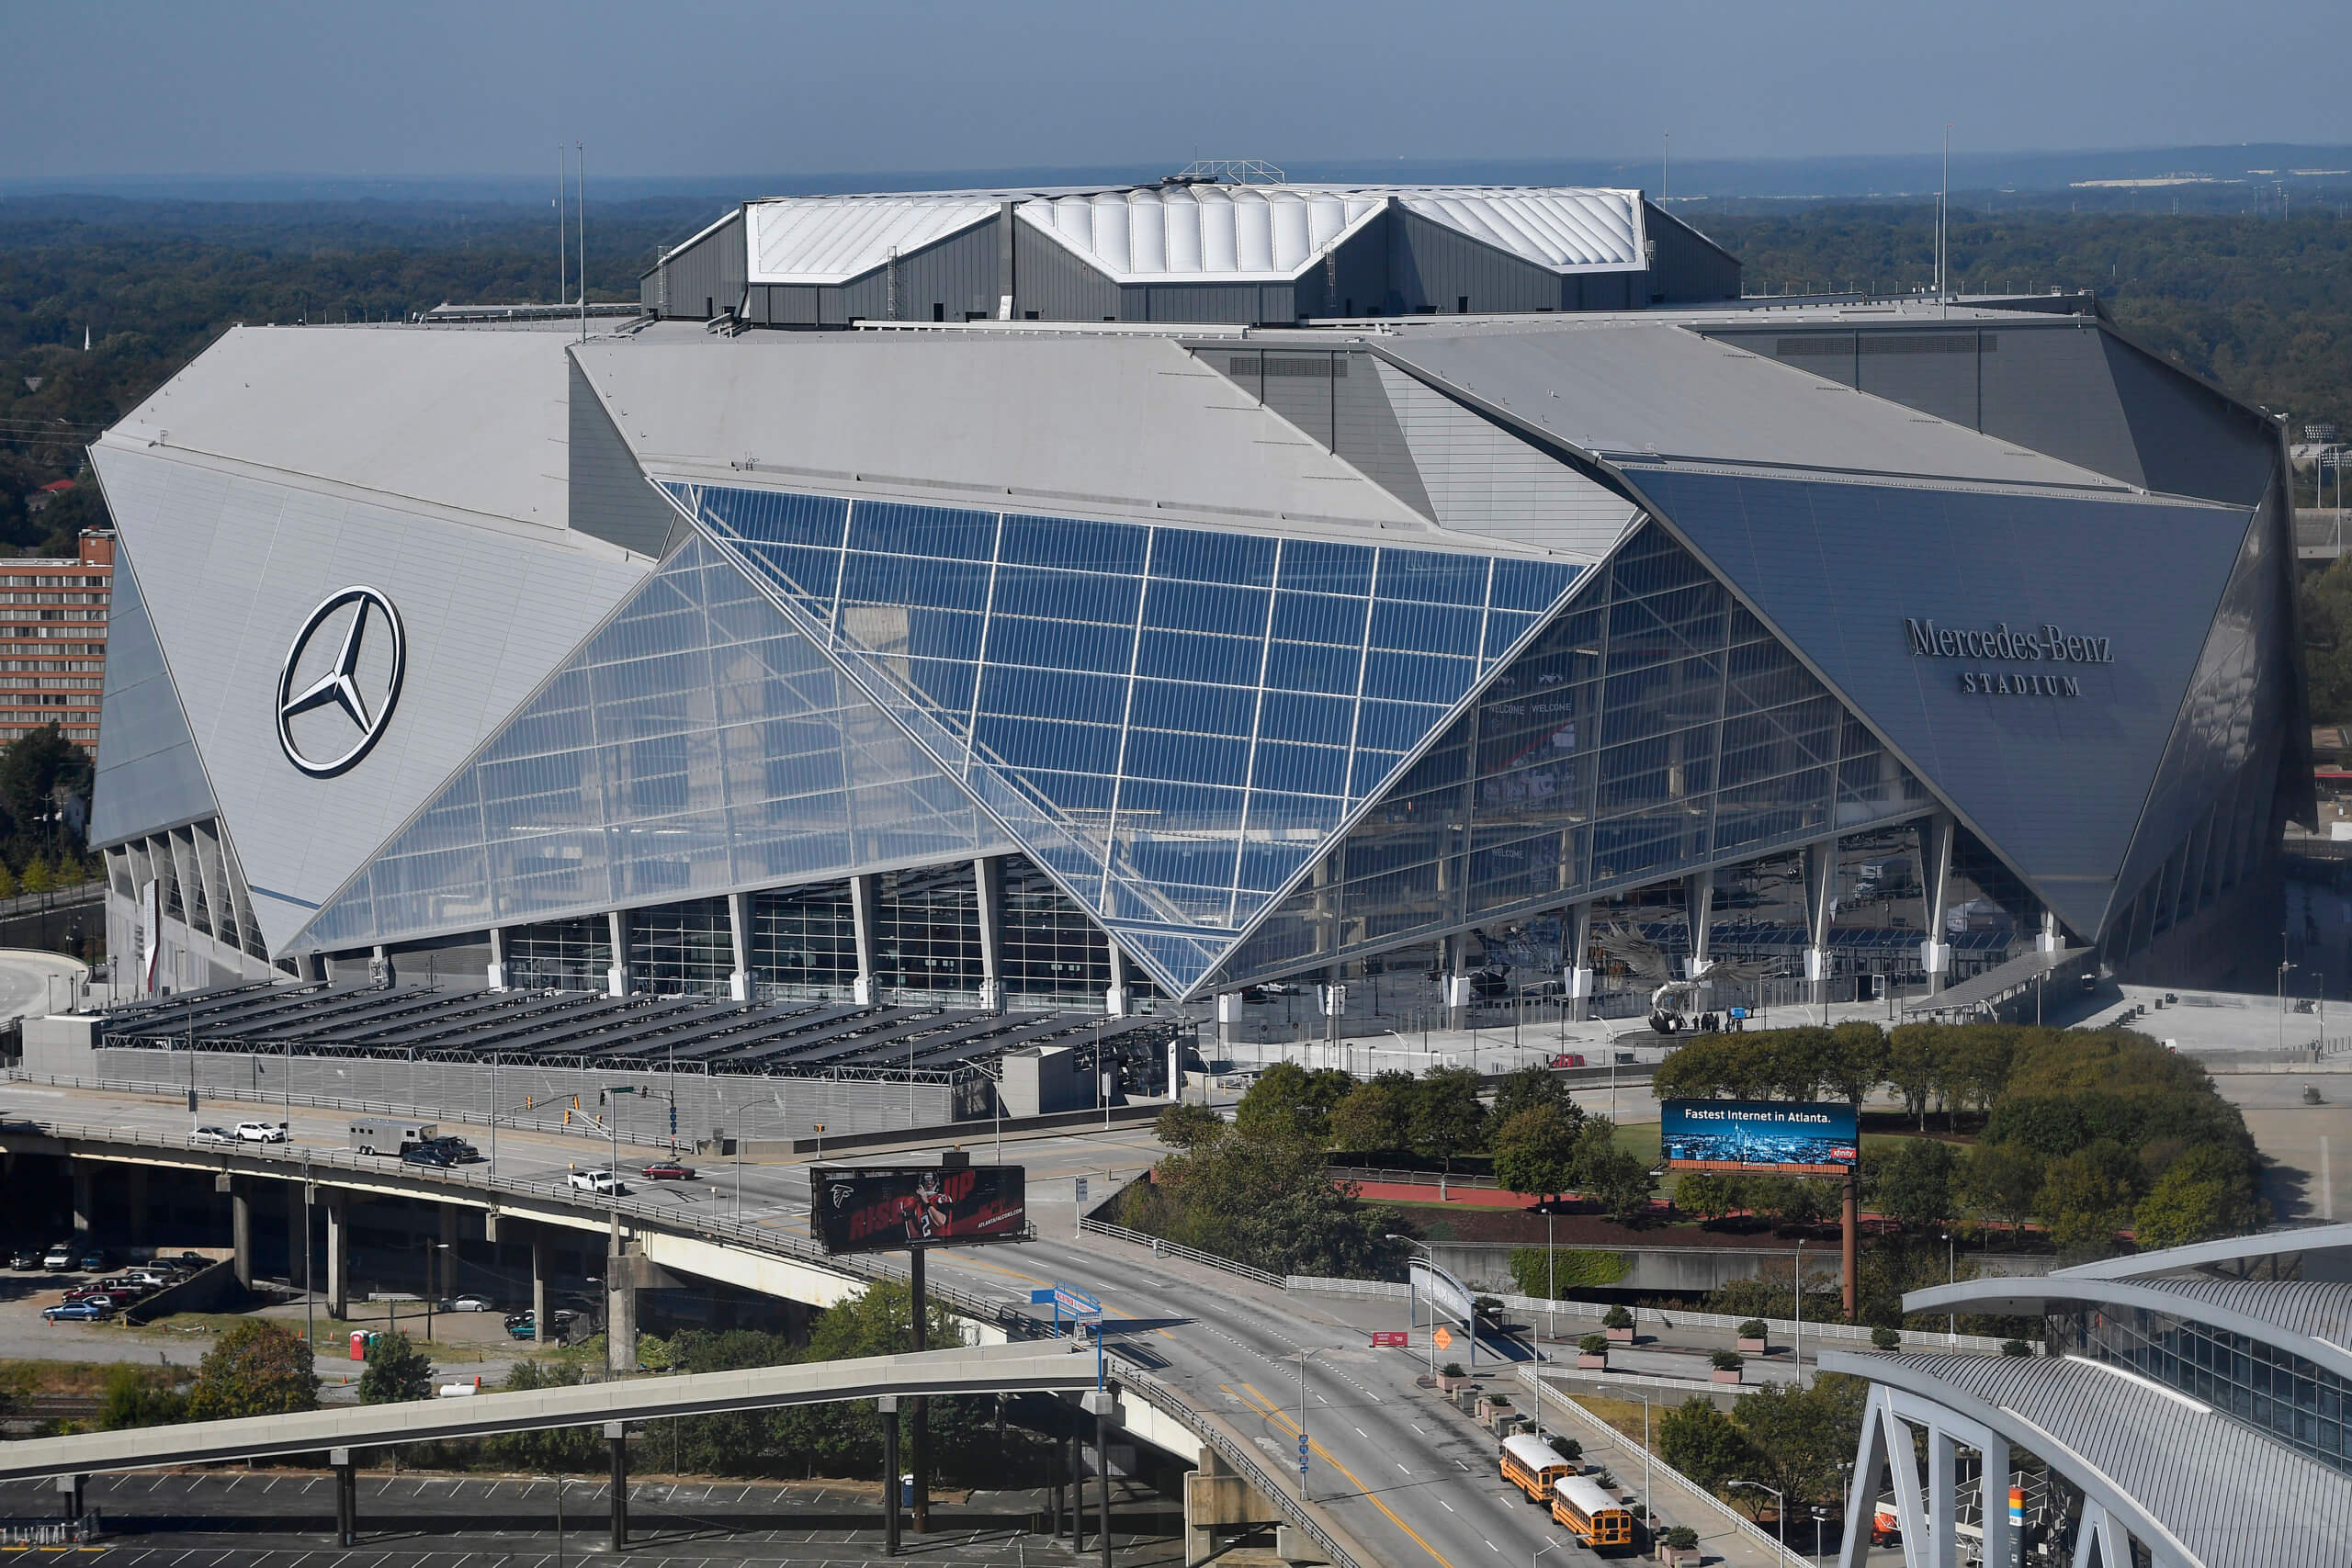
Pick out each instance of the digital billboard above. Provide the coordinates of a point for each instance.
(893, 1208)
(1756, 1134)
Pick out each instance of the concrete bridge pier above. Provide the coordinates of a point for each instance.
(298, 1235)
(616, 1434)
(241, 1230)
(137, 1193)
(542, 1265)
(85, 1195)
(1219, 1502)
(69, 1491)
(346, 1498)
(339, 1252)
(1102, 1405)
(887, 1407)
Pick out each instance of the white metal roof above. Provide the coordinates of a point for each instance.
(1226, 233)
(1566, 229)
(1193, 232)
(831, 239)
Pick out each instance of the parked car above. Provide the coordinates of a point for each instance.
(59, 1256)
(212, 1136)
(261, 1131)
(24, 1260)
(131, 1282)
(668, 1170)
(152, 1279)
(522, 1325)
(94, 1259)
(78, 1311)
(83, 1292)
(428, 1153)
(470, 1303)
(599, 1181)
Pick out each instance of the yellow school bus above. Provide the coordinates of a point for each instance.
(1591, 1515)
(1532, 1464)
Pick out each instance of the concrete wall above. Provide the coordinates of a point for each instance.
(1042, 1080)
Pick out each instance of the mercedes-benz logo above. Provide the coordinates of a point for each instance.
(328, 715)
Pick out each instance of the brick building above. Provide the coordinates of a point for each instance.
(52, 639)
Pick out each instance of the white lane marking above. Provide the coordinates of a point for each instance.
(1362, 1433)
(1417, 1428)
(1400, 1467)
(1492, 1547)
(1446, 1506)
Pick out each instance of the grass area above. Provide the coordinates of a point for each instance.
(67, 1380)
(332, 1335)
(1624, 1415)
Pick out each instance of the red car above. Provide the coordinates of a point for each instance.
(668, 1170)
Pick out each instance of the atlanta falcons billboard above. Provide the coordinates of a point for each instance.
(893, 1208)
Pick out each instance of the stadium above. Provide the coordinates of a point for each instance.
(1098, 602)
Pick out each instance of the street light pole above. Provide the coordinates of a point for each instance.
(1780, 1511)
(1951, 1277)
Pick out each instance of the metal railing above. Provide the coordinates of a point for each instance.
(1658, 1467)
(1243, 1462)
(1161, 1247)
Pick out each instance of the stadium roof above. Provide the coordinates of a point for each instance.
(2226, 1495)
(1193, 232)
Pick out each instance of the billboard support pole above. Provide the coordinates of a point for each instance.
(921, 1436)
(1850, 1259)
(887, 1405)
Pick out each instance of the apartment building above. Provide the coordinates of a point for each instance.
(53, 639)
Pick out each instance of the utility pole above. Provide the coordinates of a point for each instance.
(579, 218)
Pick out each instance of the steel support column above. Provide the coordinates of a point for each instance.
(887, 1406)
(988, 877)
(617, 933)
(738, 931)
(617, 1436)
(861, 902)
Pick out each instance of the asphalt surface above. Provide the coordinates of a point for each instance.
(1408, 1476)
(275, 1517)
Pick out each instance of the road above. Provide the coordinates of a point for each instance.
(1405, 1473)
(28, 980)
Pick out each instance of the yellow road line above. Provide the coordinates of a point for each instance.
(1271, 1409)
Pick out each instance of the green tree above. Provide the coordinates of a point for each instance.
(1796, 1060)
(2086, 1198)
(1185, 1126)
(2201, 1197)
(1618, 1178)
(1855, 1060)
(1699, 1069)
(257, 1367)
(1915, 1064)
(1536, 1151)
(2000, 1182)
(136, 1397)
(1376, 1117)
(1448, 1119)
(1288, 1101)
(1705, 1444)
(1710, 1195)
(560, 1450)
(396, 1372)
(38, 877)
(1913, 1186)
(1269, 1202)
(1799, 1437)
(1528, 1089)
(39, 774)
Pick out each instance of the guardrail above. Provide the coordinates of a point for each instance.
(586, 1128)
(1243, 1461)
(1162, 1247)
(1658, 1466)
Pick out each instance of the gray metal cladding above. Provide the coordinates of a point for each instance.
(2050, 389)
(1433, 269)
(954, 279)
(2051, 777)
(1240, 304)
(1365, 432)
(148, 777)
(705, 279)
(2192, 439)
(2236, 707)
(1298, 385)
(1050, 280)
(610, 497)
(1684, 264)
(1938, 372)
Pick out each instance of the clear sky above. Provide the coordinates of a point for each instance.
(103, 88)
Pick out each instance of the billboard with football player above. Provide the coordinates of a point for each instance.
(892, 1208)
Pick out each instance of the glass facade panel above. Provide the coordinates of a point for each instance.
(927, 928)
(559, 955)
(805, 938)
(1111, 706)
(676, 948)
(2298, 1402)
(696, 742)
(1651, 727)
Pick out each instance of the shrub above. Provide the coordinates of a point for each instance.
(1728, 1360)
(1618, 1318)
(2016, 1347)
(1568, 1449)
(1569, 1270)
(1594, 1344)
(1885, 1339)
(1450, 1370)
(1682, 1538)
(1754, 1328)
